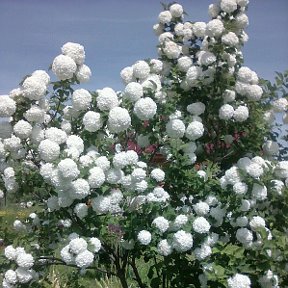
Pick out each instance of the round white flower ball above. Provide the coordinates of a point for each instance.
(161, 223)
(257, 222)
(201, 225)
(201, 208)
(119, 120)
(35, 114)
(165, 17)
(158, 174)
(175, 128)
(254, 170)
(22, 129)
(230, 39)
(96, 177)
(96, 244)
(81, 99)
(64, 67)
(199, 29)
(84, 259)
(194, 131)
(165, 37)
(171, 49)
(103, 163)
(206, 58)
(244, 236)
(280, 105)
(56, 135)
(92, 121)
(164, 248)
(141, 69)
(180, 220)
(66, 256)
(228, 6)
(182, 241)
(242, 221)
(107, 99)
(193, 74)
(229, 96)
(42, 76)
(75, 142)
(196, 108)
(83, 73)
(11, 277)
(68, 169)
(24, 275)
(241, 114)
(281, 169)
(242, 20)
(156, 66)
(226, 112)
(7, 106)
(254, 92)
(10, 252)
(259, 192)
(114, 175)
(176, 10)
(6, 284)
(25, 260)
(144, 237)
(81, 210)
(213, 10)
(145, 108)
(74, 51)
(240, 188)
(271, 148)
(48, 150)
(133, 91)
(33, 88)
(138, 174)
(79, 189)
(203, 252)
(184, 63)
(77, 245)
(101, 204)
(239, 281)
(214, 28)
(126, 75)
(132, 157)
(120, 160)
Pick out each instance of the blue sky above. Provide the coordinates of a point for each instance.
(116, 33)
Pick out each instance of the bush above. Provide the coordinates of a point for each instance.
(177, 171)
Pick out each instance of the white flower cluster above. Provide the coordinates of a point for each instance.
(239, 281)
(35, 86)
(23, 273)
(111, 180)
(77, 251)
(71, 62)
(247, 84)
(7, 106)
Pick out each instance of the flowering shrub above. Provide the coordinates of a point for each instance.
(170, 172)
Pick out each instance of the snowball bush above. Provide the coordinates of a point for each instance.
(177, 172)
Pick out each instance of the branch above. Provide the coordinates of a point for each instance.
(135, 270)
(58, 261)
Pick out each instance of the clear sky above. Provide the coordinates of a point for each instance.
(116, 33)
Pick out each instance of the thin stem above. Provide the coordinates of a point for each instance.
(57, 261)
(156, 266)
(136, 273)
(121, 273)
